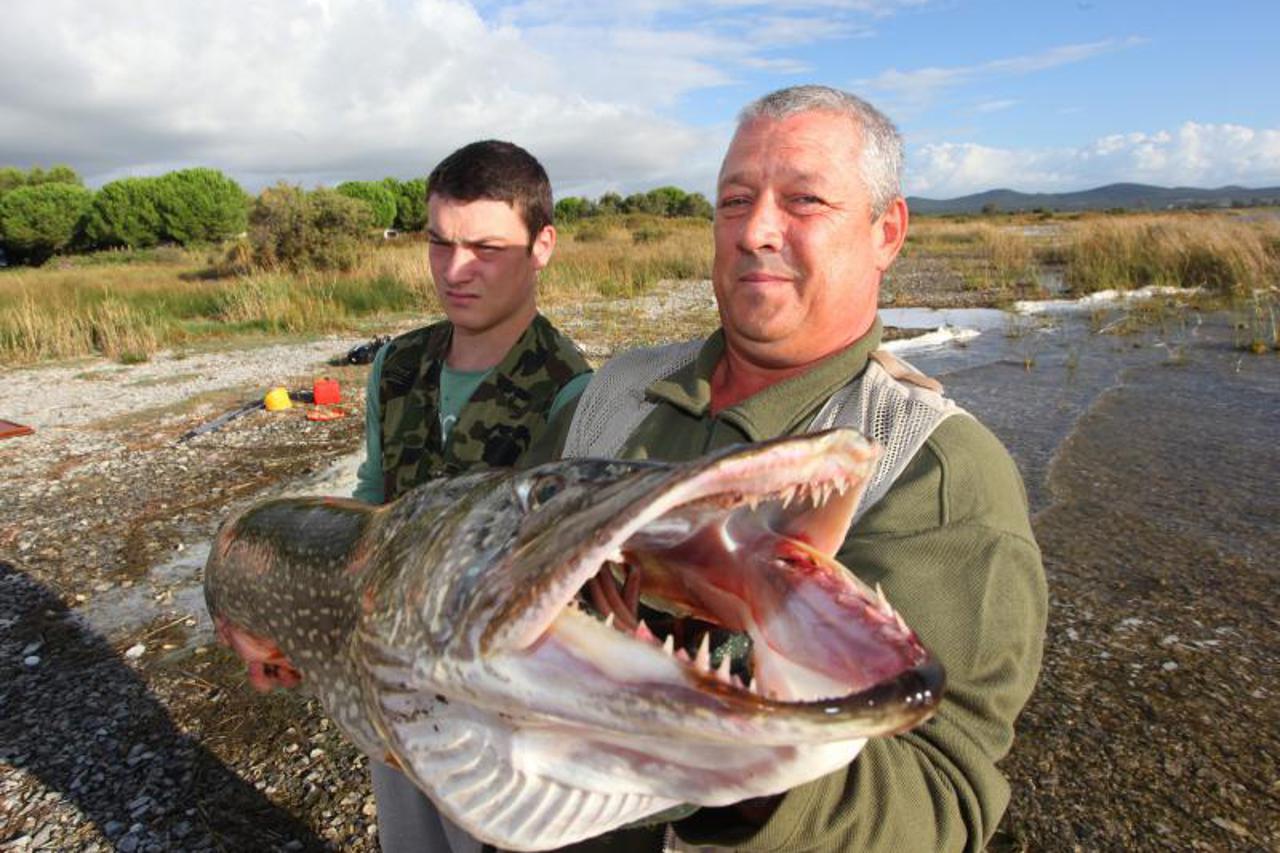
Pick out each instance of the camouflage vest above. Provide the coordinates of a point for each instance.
(503, 417)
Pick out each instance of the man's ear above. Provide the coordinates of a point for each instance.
(543, 245)
(890, 232)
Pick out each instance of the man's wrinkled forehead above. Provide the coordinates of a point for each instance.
(788, 134)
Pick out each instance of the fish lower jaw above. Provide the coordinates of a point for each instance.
(784, 680)
(641, 660)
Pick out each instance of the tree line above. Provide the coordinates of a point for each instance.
(663, 201)
(47, 212)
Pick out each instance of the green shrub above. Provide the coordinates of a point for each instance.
(55, 175)
(696, 204)
(297, 230)
(648, 234)
(609, 203)
(573, 208)
(125, 213)
(37, 221)
(591, 231)
(12, 177)
(411, 203)
(200, 205)
(380, 200)
(643, 203)
(666, 201)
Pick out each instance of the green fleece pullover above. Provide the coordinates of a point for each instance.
(951, 545)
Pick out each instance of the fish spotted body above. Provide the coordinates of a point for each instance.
(534, 648)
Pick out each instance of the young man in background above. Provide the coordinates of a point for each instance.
(472, 391)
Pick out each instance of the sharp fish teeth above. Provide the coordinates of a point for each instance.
(753, 686)
(608, 621)
(722, 671)
(643, 633)
(669, 644)
(703, 659)
(902, 625)
(882, 601)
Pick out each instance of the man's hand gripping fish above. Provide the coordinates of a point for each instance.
(535, 649)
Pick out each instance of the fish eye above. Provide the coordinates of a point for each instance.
(538, 490)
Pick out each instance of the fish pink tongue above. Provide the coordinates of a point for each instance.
(809, 611)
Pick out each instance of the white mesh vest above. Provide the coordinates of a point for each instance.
(891, 402)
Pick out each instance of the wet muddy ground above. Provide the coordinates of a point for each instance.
(1151, 461)
(1153, 479)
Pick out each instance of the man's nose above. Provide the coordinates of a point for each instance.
(457, 265)
(762, 228)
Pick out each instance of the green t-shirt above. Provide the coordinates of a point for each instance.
(456, 388)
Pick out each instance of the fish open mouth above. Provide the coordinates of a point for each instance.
(718, 587)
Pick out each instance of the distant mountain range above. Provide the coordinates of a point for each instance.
(1128, 196)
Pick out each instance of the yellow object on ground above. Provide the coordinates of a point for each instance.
(277, 400)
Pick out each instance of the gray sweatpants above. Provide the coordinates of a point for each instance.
(408, 822)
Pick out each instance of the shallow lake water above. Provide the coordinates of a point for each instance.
(1034, 380)
(1192, 421)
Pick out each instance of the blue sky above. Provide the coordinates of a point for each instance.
(1037, 95)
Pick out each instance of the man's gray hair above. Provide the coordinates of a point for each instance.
(881, 160)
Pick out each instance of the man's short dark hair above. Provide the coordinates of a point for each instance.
(498, 171)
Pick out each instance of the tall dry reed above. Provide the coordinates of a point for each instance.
(128, 312)
(614, 256)
(987, 255)
(130, 307)
(625, 256)
(1226, 254)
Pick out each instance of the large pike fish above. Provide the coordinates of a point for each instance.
(552, 653)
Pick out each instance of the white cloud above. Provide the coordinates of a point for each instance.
(995, 105)
(778, 66)
(1200, 155)
(321, 91)
(922, 85)
(325, 90)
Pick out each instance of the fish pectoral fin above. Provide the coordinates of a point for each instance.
(475, 766)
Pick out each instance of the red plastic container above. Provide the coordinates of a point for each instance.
(325, 392)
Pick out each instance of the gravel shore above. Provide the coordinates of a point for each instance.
(123, 726)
